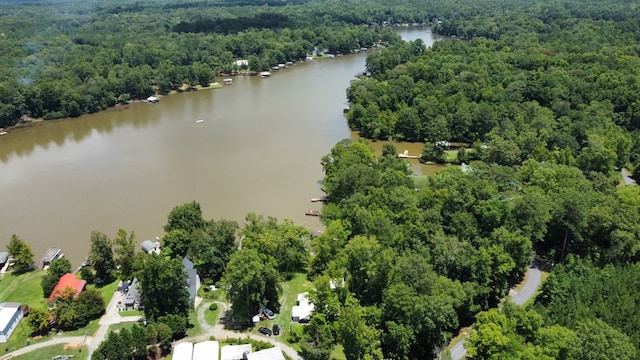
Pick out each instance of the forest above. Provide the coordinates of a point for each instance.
(543, 96)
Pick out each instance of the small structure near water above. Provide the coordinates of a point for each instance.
(152, 99)
(405, 155)
(312, 212)
(51, 254)
(227, 81)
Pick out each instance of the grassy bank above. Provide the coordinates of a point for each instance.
(47, 353)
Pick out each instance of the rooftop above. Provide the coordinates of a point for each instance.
(274, 353)
(183, 351)
(67, 280)
(206, 350)
(234, 352)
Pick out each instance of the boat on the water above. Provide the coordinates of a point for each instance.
(405, 155)
(199, 121)
(323, 199)
(312, 212)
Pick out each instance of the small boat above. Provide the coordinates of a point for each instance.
(199, 121)
(405, 155)
(2, 132)
(265, 74)
(312, 212)
(323, 199)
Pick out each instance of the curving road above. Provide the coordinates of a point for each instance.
(80, 340)
(527, 291)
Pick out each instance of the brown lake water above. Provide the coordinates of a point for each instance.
(258, 150)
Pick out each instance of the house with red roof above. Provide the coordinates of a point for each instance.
(70, 281)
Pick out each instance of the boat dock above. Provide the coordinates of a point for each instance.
(323, 199)
(312, 212)
(405, 155)
(51, 254)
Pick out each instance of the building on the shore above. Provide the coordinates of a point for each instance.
(10, 316)
(4, 257)
(149, 246)
(67, 281)
(51, 254)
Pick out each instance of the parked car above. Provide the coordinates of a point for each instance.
(265, 331)
(276, 330)
(268, 313)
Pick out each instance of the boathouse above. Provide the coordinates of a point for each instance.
(51, 254)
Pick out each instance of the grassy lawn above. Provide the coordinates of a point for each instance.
(338, 353)
(49, 352)
(212, 316)
(106, 290)
(24, 288)
(131, 313)
(196, 329)
(120, 326)
(290, 290)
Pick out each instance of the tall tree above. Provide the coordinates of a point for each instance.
(21, 253)
(187, 217)
(252, 281)
(124, 253)
(212, 247)
(101, 256)
(57, 268)
(163, 287)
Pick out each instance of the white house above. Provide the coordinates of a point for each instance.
(235, 352)
(10, 316)
(206, 350)
(302, 311)
(183, 351)
(274, 353)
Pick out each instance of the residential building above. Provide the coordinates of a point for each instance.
(10, 316)
(183, 351)
(67, 281)
(193, 281)
(235, 352)
(206, 350)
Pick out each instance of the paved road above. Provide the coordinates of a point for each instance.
(526, 292)
(627, 179)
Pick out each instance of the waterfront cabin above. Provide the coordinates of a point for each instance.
(149, 247)
(67, 281)
(227, 81)
(4, 257)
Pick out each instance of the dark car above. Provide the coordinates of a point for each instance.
(276, 329)
(265, 331)
(268, 313)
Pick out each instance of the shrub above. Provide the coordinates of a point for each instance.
(213, 307)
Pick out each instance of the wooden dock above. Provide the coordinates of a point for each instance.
(323, 199)
(312, 212)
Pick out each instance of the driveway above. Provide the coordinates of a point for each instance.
(220, 333)
(527, 290)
